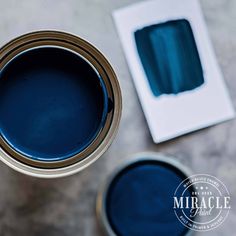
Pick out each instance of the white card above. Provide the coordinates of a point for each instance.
(169, 115)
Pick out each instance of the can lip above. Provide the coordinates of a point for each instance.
(135, 158)
(105, 136)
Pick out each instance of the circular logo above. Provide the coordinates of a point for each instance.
(201, 202)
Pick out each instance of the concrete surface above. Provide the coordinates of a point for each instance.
(30, 206)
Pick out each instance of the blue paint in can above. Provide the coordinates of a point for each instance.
(53, 103)
(139, 200)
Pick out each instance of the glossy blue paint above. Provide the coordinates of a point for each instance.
(169, 56)
(139, 200)
(52, 103)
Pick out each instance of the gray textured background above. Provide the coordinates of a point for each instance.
(30, 206)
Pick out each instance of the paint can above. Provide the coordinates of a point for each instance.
(137, 198)
(60, 104)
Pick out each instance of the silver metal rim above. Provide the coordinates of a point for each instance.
(102, 193)
(70, 169)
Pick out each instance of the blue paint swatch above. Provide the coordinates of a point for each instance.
(139, 200)
(52, 103)
(169, 56)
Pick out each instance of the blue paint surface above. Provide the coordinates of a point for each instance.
(52, 103)
(169, 56)
(140, 200)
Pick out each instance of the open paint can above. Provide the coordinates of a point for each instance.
(137, 199)
(60, 104)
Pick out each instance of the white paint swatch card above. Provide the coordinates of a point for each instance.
(179, 81)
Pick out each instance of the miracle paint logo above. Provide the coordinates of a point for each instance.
(201, 202)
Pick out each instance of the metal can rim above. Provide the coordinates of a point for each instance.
(101, 64)
(134, 158)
